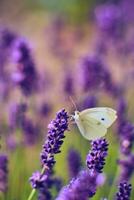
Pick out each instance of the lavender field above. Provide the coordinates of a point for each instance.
(57, 57)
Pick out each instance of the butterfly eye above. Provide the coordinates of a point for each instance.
(102, 119)
(77, 112)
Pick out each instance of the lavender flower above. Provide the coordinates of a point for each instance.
(94, 75)
(124, 191)
(101, 46)
(44, 194)
(88, 102)
(68, 83)
(74, 162)
(85, 184)
(17, 115)
(57, 183)
(31, 131)
(91, 73)
(54, 35)
(55, 136)
(110, 20)
(83, 187)
(45, 109)
(128, 7)
(3, 172)
(37, 179)
(125, 128)
(51, 182)
(122, 114)
(127, 138)
(27, 77)
(7, 39)
(96, 157)
(52, 145)
(41, 182)
(127, 168)
(100, 179)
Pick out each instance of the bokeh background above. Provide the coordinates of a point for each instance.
(62, 37)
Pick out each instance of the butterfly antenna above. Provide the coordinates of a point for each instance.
(72, 101)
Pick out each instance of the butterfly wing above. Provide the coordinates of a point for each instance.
(106, 116)
(90, 128)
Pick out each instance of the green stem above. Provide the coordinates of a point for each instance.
(31, 194)
(111, 193)
(34, 190)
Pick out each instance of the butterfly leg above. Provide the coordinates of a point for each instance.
(71, 118)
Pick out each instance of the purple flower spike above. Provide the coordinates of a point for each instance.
(26, 76)
(7, 38)
(68, 83)
(44, 194)
(109, 20)
(81, 188)
(45, 109)
(94, 75)
(88, 102)
(127, 168)
(127, 138)
(55, 136)
(126, 133)
(122, 114)
(74, 162)
(124, 191)
(96, 157)
(42, 182)
(37, 179)
(30, 130)
(17, 115)
(50, 183)
(3, 172)
(125, 128)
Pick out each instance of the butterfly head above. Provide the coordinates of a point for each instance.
(76, 115)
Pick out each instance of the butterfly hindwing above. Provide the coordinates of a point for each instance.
(91, 129)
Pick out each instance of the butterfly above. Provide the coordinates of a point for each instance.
(94, 122)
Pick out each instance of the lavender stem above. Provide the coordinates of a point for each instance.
(31, 194)
(110, 196)
(34, 190)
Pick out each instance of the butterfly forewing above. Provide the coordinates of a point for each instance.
(105, 116)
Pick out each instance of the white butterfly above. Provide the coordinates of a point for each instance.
(93, 122)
